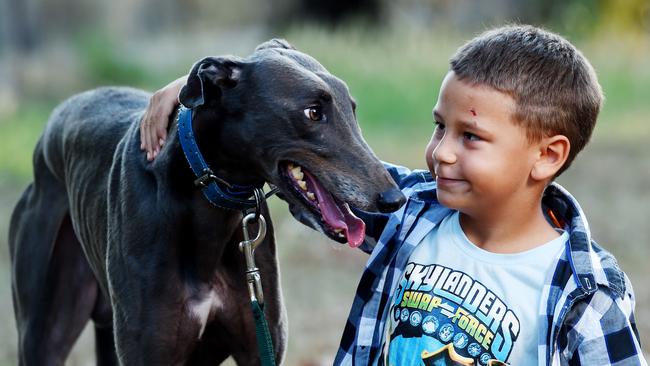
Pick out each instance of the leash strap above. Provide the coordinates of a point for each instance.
(219, 192)
(264, 344)
(254, 280)
(231, 196)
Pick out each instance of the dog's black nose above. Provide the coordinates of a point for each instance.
(391, 200)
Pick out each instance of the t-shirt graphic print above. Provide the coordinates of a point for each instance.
(445, 316)
(457, 304)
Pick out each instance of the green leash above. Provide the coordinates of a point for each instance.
(264, 344)
(262, 333)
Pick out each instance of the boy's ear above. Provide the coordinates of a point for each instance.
(553, 153)
(208, 78)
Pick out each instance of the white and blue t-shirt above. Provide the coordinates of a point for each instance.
(458, 302)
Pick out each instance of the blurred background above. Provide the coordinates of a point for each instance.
(392, 54)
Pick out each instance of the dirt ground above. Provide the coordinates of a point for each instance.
(319, 277)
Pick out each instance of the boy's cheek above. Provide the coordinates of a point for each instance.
(428, 155)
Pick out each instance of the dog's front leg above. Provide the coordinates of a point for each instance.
(152, 326)
(149, 330)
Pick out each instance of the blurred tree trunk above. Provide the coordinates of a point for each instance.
(22, 30)
(22, 39)
(162, 15)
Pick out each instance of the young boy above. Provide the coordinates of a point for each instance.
(490, 261)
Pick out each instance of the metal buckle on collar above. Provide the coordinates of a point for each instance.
(208, 177)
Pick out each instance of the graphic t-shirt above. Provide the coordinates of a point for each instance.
(458, 304)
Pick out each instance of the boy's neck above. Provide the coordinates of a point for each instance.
(509, 230)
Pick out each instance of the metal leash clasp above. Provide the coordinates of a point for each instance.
(247, 246)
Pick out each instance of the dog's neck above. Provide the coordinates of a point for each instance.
(225, 158)
(221, 227)
(222, 154)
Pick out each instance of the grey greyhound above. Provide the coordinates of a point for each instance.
(103, 234)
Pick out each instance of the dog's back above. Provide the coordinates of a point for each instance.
(49, 222)
(88, 126)
(78, 146)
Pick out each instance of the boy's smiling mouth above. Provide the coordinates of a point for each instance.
(443, 182)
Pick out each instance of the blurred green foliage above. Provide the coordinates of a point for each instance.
(394, 74)
(104, 65)
(21, 131)
(626, 16)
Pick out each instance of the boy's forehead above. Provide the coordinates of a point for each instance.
(471, 99)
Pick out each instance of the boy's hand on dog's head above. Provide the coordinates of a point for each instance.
(153, 126)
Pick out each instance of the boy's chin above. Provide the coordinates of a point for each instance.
(452, 201)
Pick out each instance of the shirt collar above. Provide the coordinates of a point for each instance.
(580, 253)
(590, 264)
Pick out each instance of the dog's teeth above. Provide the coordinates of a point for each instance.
(302, 184)
(311, 196)
(297, 173)
(338, 231)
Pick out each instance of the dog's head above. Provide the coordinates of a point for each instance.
(278, 115)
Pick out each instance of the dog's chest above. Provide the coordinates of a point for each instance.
(201, 308)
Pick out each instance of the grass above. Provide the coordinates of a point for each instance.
(395, 76)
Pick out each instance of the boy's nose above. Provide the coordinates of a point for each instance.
(443, 153)
(390, 201)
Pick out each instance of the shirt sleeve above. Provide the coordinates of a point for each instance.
(601, 330)
(376, 222)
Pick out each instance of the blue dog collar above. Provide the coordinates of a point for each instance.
(219, 192)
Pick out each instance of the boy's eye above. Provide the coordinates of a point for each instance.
(471, 137)
(439, 130)
(438, 126)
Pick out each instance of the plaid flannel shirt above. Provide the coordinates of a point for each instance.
(587, 303)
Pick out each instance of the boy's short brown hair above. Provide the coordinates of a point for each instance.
(554, 86)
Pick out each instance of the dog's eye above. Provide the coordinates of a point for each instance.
(314, 113)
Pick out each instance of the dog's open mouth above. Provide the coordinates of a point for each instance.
(338, 220)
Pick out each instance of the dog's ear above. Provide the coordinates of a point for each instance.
(207, 78)
(275, 43)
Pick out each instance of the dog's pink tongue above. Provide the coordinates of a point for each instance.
(356, 228)
(338, 217)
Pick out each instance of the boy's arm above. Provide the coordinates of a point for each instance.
(154, 123)
(601, 330)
